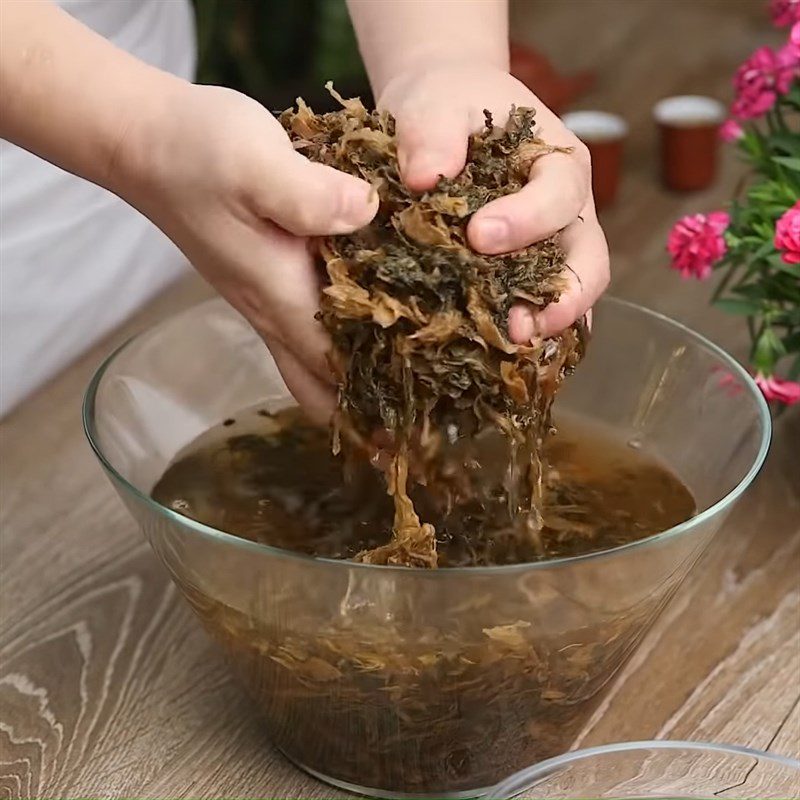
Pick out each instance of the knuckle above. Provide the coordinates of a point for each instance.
(601, 273)
(306, 202)
(346, 205)
(605, 274)
(583, 159)
(581, 154)
(301, 215)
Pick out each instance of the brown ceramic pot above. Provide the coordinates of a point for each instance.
(689, 129)
(604, 134)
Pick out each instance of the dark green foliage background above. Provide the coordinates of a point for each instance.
(275, 50)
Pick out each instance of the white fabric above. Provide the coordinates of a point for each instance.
(75, 260)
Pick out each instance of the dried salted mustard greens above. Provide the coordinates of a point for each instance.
(419, 320)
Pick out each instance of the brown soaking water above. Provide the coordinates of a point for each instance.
(272, 479)
(389, 701)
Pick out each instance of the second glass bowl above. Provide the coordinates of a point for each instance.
(658, 769)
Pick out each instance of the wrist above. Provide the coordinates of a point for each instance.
(484, 55)
(136, 161)
(459, 72)
(398, 36)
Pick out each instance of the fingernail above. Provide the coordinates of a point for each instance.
(423, 170)
(492, 233)
(522, 324)
(356, 203)
(527, 324)
(425, 161)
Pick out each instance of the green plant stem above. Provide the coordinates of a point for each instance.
(779, 118)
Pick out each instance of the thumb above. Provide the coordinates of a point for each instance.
(309, 199)
(429, 148)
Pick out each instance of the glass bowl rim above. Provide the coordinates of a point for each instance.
(510, 786)
(216, 535)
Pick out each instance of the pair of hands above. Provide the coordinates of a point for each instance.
(217, 173)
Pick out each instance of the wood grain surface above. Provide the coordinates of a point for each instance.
(108, 687)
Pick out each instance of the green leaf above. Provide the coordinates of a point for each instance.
(764, 230)
(776, 262)
(761, 191)
(787, 143)
(732, 240)
(753, 291)
(792, 342)
(733, 305)
(767, 351)
(793, 97)
(775, 343)
(788, 162)
(764, 249)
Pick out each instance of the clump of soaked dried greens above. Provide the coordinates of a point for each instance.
(419, 320)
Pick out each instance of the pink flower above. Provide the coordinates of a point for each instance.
(730, 131)
(764, 76)
(696, 243)
(779, 389)
(789, 57)
(789, 54)
(787, 235)
(784, 12)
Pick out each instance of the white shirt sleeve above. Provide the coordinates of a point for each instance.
(75, 260)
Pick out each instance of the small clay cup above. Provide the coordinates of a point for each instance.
(689, 127)
(604, 134)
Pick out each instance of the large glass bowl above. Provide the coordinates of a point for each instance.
(658, 769)
(399, 682)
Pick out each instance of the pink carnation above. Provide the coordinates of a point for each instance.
(787, 235)
(779, 389)
(764, 76)
(696, 243)
(789, 57)
(789, 54)
(730, 131)
(785, 12)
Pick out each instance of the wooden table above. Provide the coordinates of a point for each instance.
(108, 687)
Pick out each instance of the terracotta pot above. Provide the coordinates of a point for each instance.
(604, 134)
(556, 91)
(689, 126)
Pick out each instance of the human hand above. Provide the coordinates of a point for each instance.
(436, 108)
(216, 172)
